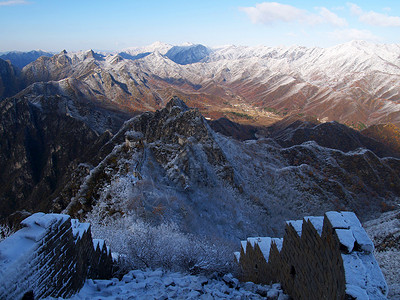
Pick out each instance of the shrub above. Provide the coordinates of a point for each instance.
(143, 245)
(241, 115)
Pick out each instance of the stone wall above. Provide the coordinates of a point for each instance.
(328, 257)
(51, 255)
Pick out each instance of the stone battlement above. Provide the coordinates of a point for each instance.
(328, 257)
(51, 255)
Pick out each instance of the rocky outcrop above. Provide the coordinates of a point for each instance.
(37, 146)
(169, 137)
(9, 79)
(328, 257)
(295, 131)
(385, 233)
(171, 164)
(75, 99)
(51, 256)
(57, 67)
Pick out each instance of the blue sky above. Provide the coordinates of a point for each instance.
(55, 25)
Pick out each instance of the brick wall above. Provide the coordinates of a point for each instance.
(51, 255)
(328, 257)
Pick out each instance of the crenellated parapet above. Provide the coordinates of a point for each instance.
(52, 255)
(328, 257)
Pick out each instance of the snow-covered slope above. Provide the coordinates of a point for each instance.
(170, 165)
(155, 47)
(385, 233)
(166, 285)
(185, 55)
(353, 83)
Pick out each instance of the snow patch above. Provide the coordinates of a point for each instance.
(159, 284)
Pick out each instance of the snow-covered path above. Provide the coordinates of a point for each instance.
(162, 285)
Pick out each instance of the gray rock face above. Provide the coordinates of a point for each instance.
(37, 146)
(46, 130)
(176, 138)
(9, 81)
(171, 165)
(45, 69)
(75, 99)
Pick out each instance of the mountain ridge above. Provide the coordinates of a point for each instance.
(171, 165)
(353, 83)
(20, 59)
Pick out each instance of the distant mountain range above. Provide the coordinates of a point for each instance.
(356, 83)
(21, 59)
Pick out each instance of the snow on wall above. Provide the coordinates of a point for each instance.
(51, 255)
(328, 257)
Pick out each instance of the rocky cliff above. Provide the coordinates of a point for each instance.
(170, 165)
(39, 145)
(9, 79)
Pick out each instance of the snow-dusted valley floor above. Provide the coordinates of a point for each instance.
(163, 285)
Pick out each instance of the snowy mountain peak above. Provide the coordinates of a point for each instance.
(159, 47)
(189, 54)
(154, 47)
(185, 44)
(361, 44)
(158, 44)
(283, 80)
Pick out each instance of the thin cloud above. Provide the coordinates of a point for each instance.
(331, 17)
(374, 18)
(13, 2)
(351, 34)
(272, 12)
(355, 9)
